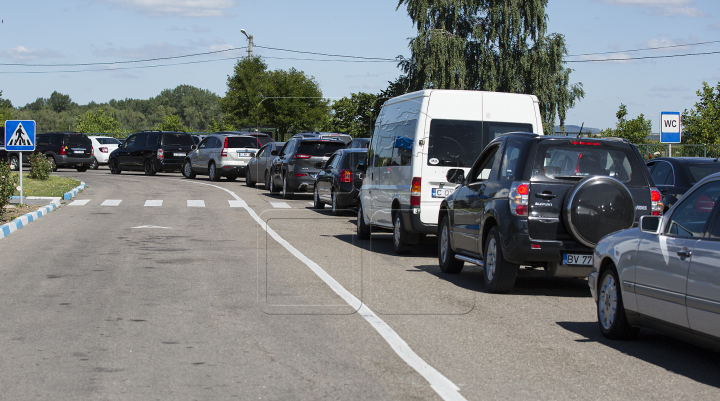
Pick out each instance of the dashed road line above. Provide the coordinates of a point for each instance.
(153, 203)
(196, 203)
(111, 202)
(280, 205)
(79, 202)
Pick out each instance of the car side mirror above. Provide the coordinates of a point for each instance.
(650, 224)
(455, 175)
(273, 153)
(193, 147)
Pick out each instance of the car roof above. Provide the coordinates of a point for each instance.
(686, 160)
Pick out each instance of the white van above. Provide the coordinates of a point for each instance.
(418, 137)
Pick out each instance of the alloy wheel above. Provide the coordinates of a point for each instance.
(607, 302)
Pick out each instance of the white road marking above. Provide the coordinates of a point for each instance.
(79, 202)
(167, 228)
(111, 202)
(196, 203)
(153, 203)
(237, 203)
(280, 205)
(446, 389)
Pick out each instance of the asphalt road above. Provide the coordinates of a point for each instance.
(183, 301)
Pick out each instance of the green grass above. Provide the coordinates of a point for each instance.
(54, 186)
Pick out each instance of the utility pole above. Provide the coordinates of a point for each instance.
(250, 43)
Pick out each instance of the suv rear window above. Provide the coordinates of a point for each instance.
(177, 140)
(107, 141)
(77, 140)
(242, 142)
(352, 159)
(567, 161)
(319, 148)
(697, 172)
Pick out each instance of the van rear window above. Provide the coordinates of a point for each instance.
(177, 140)
(457, 143)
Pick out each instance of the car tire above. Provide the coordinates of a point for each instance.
(114, 166)
(363, 230)
(82, 168)
(94, 165)
(446, 255)
(610, 309)
(248, 180)
(14, 163)
(212, 173)
(149, 168)
(286, 193)
(53, 165)
(499, 274)
(187, 171)
(317, 203)
(401, 246)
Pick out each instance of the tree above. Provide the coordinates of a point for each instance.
(355, 115)
(244, 92)
(59, 102)
(492, 45)
(701, 125)
(635, 130)
(195, 107)
(97, 121)
(171, 123)
(5, 109)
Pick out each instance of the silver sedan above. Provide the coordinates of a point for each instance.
(664, 275)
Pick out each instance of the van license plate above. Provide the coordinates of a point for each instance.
(577, 259)
(442, 192)
(180, 154)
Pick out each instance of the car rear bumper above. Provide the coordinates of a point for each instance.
(168, 165)
(63, 160)
(518, 248)
(232, 171)
(413, 224)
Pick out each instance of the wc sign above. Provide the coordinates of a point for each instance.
(669, 127)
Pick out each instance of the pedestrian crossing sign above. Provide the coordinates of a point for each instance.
(20, 135)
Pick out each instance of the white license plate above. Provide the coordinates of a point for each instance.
(442, 192)
(180, 154)
(577, 259)
(79, 151)
(244, 154)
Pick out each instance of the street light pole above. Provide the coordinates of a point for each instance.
(250, 44)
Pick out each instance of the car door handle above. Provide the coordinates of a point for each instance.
(684, 253)
(546, 196)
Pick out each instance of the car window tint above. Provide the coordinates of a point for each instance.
(454, 143)
(242, 142)
(568, 160)
(43, 140)
(170, 139)
(663, 174)
(107, 141)
(140, 141)
(483, 170)
(153, 139)
(689, 217)
(130, 142)
(353, 159)
(320, 148)
(697, 172)
(261, 152)
(510, 160)
(203, 144)
(73, 140)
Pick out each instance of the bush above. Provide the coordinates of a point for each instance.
(8, 184)
(40, 167)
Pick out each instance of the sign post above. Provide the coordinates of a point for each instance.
(670, 129)
(21, 138)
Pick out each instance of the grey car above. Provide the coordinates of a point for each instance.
(258, 168)
(220, 155)
(665, 274)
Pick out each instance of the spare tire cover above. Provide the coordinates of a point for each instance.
(597, 206)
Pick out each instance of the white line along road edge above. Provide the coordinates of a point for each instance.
(445, 388)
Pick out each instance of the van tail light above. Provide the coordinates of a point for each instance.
(161, 154)
(103, 150)
(656, 207)
(415, 192)
(301, 156)
(62, 149)
(346, 176)
(519, 198)
(224, 152)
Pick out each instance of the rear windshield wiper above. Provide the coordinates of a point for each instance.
(569, 177)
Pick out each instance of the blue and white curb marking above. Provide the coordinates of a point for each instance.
(7, 229)
(71, 194)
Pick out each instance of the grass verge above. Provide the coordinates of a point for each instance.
(54, 186)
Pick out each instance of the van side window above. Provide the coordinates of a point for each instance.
(495, 129)
(455, 143)
(372, 152)
(153, 138)
(384, 146)
(403, 143)
(140, 141)
(43, 140)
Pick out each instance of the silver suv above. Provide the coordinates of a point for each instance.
(220, 155)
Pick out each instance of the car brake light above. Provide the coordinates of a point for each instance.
(160, 154)
(585, 143)
(104, 150)
(519, 198)
(224, 152)
(301, 156)
(656, 207)
(300, 175)
(346, 176)
(62, 149)
(415, 192)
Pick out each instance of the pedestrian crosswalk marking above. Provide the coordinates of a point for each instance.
(79, 202)
(196, 203)
(111, 202)
(153, 203)
(280, 205)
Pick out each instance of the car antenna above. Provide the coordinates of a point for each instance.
(580, 132)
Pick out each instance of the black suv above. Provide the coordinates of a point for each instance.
(541, 203)
(151, 152)
(298, 162)
(62, 149)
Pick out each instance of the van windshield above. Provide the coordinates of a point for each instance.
(457, 143)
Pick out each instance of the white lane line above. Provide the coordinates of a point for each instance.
(446, 389)
(196, 203)
(111, 202)
(153, 203)
(237, 203)
(79, 202)
(280, 205)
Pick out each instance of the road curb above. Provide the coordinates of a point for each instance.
(22, 221)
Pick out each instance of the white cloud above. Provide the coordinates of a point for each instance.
(667, 8)
(183, 8)
(22, 53)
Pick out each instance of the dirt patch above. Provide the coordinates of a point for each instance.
(13, 211)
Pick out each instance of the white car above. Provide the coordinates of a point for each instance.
(103, 146)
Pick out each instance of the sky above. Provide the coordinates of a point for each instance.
(118, 33)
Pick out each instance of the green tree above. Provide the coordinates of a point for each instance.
(355, 115)
(635, 130)
(293, 102)
(59, 102)
(492, 45)
(5, 109)
(244, 92)
(701, 124)
(171, 123)
(195, 107)
(97, 121)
